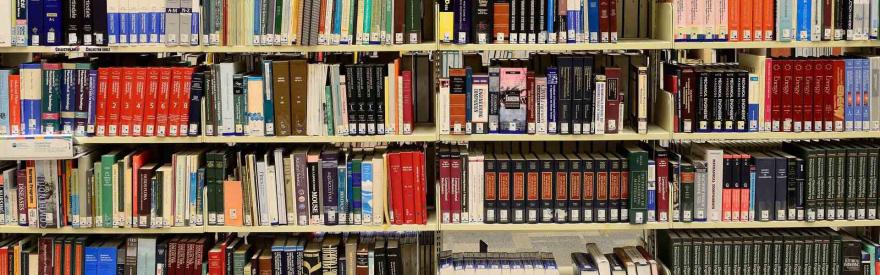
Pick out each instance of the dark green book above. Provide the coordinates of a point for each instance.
(637, 161)
(51, 98)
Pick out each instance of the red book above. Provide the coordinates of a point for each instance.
(57, 255)
(727, 188)
(408, 178)
(150, 109)
(223, 34)
(4, 255)
(137, 160)
(445, 178)
(838, 80)
(15, 104)
(396, 188)
(612, 20)
(197, 249)
(776, 95)
(786, 95)
(68, 255)
(162, 102)
(101, 101)
(140, 88)
(407, 102)
(182, 248)
(65, 171)
(127, 105)
(421, 189)
(455, 192)
(217, 259)
(807, 91)
(171, 257)
(797, 98)
(114, 96)
(612, 103)
(530, 109)
(174, 102)
(769, 122)
(501, 20)
(818, 96)
(183, 110)
(734, 20)
(604, 24)
(662, 181)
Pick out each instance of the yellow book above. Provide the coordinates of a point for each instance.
(446, 18)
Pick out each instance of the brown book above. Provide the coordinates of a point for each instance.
(299, 79)
(281, 88)
(424, 89)
(500, 20)
(362, 266)
(427, 33)
(264, 262)
(399, 14)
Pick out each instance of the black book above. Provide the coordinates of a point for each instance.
(312, 258)
(564, 104)
(491, 189)
(602, 178)
(589, 187)
(210, 98)
(851, 255)
(716, 99)
(518, 188)
(513, 19)
(197, 91)
(780, 178)
(503, 170)
(871, 176)
(560, 198)
(541, 21)
(575, 84)
(624, 182)
(527, 21)
(532, 189)
(861, 181)
(729, 92)
(99, 22)
(614, 202)
(71, 13)
(702, 99)
(482, 21)
(330, 248)
(742, 97)
(392, 257)
(840, 175)
(822, 185)
(380, 258)
(547, 183)
(588, 95)
(380, 73)
(367, 96)
(575, 189)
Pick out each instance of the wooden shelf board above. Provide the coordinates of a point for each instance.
(102, 49)
(430, 226)
(324, 48)
(549, 227)
(654, 133)
(420, 134)
(10, 229)
(772, 224)
(775, 44)
(774, 135)
(136, 140)
(645, 44)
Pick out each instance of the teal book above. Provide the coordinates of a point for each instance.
(268, 104)
(328, 111)
(51, 98)
(344, 183)
(356, 196)
(105, 207)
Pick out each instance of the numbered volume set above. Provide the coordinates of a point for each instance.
(317, 186)
(776, 20)
(546, 94)
(552, 183)
(542, 22)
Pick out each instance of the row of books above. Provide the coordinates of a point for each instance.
(214, 22)
(772, 20)
(831, 94)
(766, 251)
(804, 181)
(281, 96)
(350, 253)
(546, 94)
(497, 262)
(146, 189)
(271, 97)
(540, 22)
(627, 260)
(551, 185)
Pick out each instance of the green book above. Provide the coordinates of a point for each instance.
(637, 160)
(368, 20)
(413, 25)
(209, 185)
(356, 198)
(105, 206)
(388, 30)
(279, 13)
(328, 111)
(95, 209)
(51, 98)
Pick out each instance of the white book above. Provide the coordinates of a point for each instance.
(599, 103)
(642, 101)
(541, 105)
(262, 203)
(290, 190)
(599, 259)
(283, 38)
(874, 25)
(816, 20)
(390, 106)
(714, 158)
(380, 185)
(443, 102)
(271, 190)
(179, 161)
(227, 101)
(340, 110)
(280, 194)
(168, 200)
(6, 16)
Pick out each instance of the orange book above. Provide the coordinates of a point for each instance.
(457, 100)
(733, 20)
(745, 20)
(232, 202)
(838, 85)
(768, 20)
(757, 20)
(501, 20)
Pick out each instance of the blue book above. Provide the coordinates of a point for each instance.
(35, 27)
(123, 27)
(571, 24)
(107, 257)
(68, 99)
(5, 128)
(593, 17)
(52, 23)
(268, 105)
(857, 94)
(866, 93)
(849, 107)
(367, 190)
(90, 259)
(137, 34)
(31, 107)
(195, 27)
(804, 15)
(153, 26)
(113, 26)
(552, 86)
(550, 17)
(337, 22)
(343, 179)
(93, 101)
(258, 30)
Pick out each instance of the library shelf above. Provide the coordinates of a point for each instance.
(11, 229)
(104, 49)
(634, 44)
(549, 227)
(136, 140)
(420, 134)
(430, 46)
(430, 226)
(773, 224)
(775, 135)
(775, 44)
(654, 133)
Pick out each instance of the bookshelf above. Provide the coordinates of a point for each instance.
(432, 225)
(774, 135)
(136, 140)
(421, 133)
(772, 224)
(551, 227)
(774, 44)
(625, 44)
(654, 133)
(10, 229)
